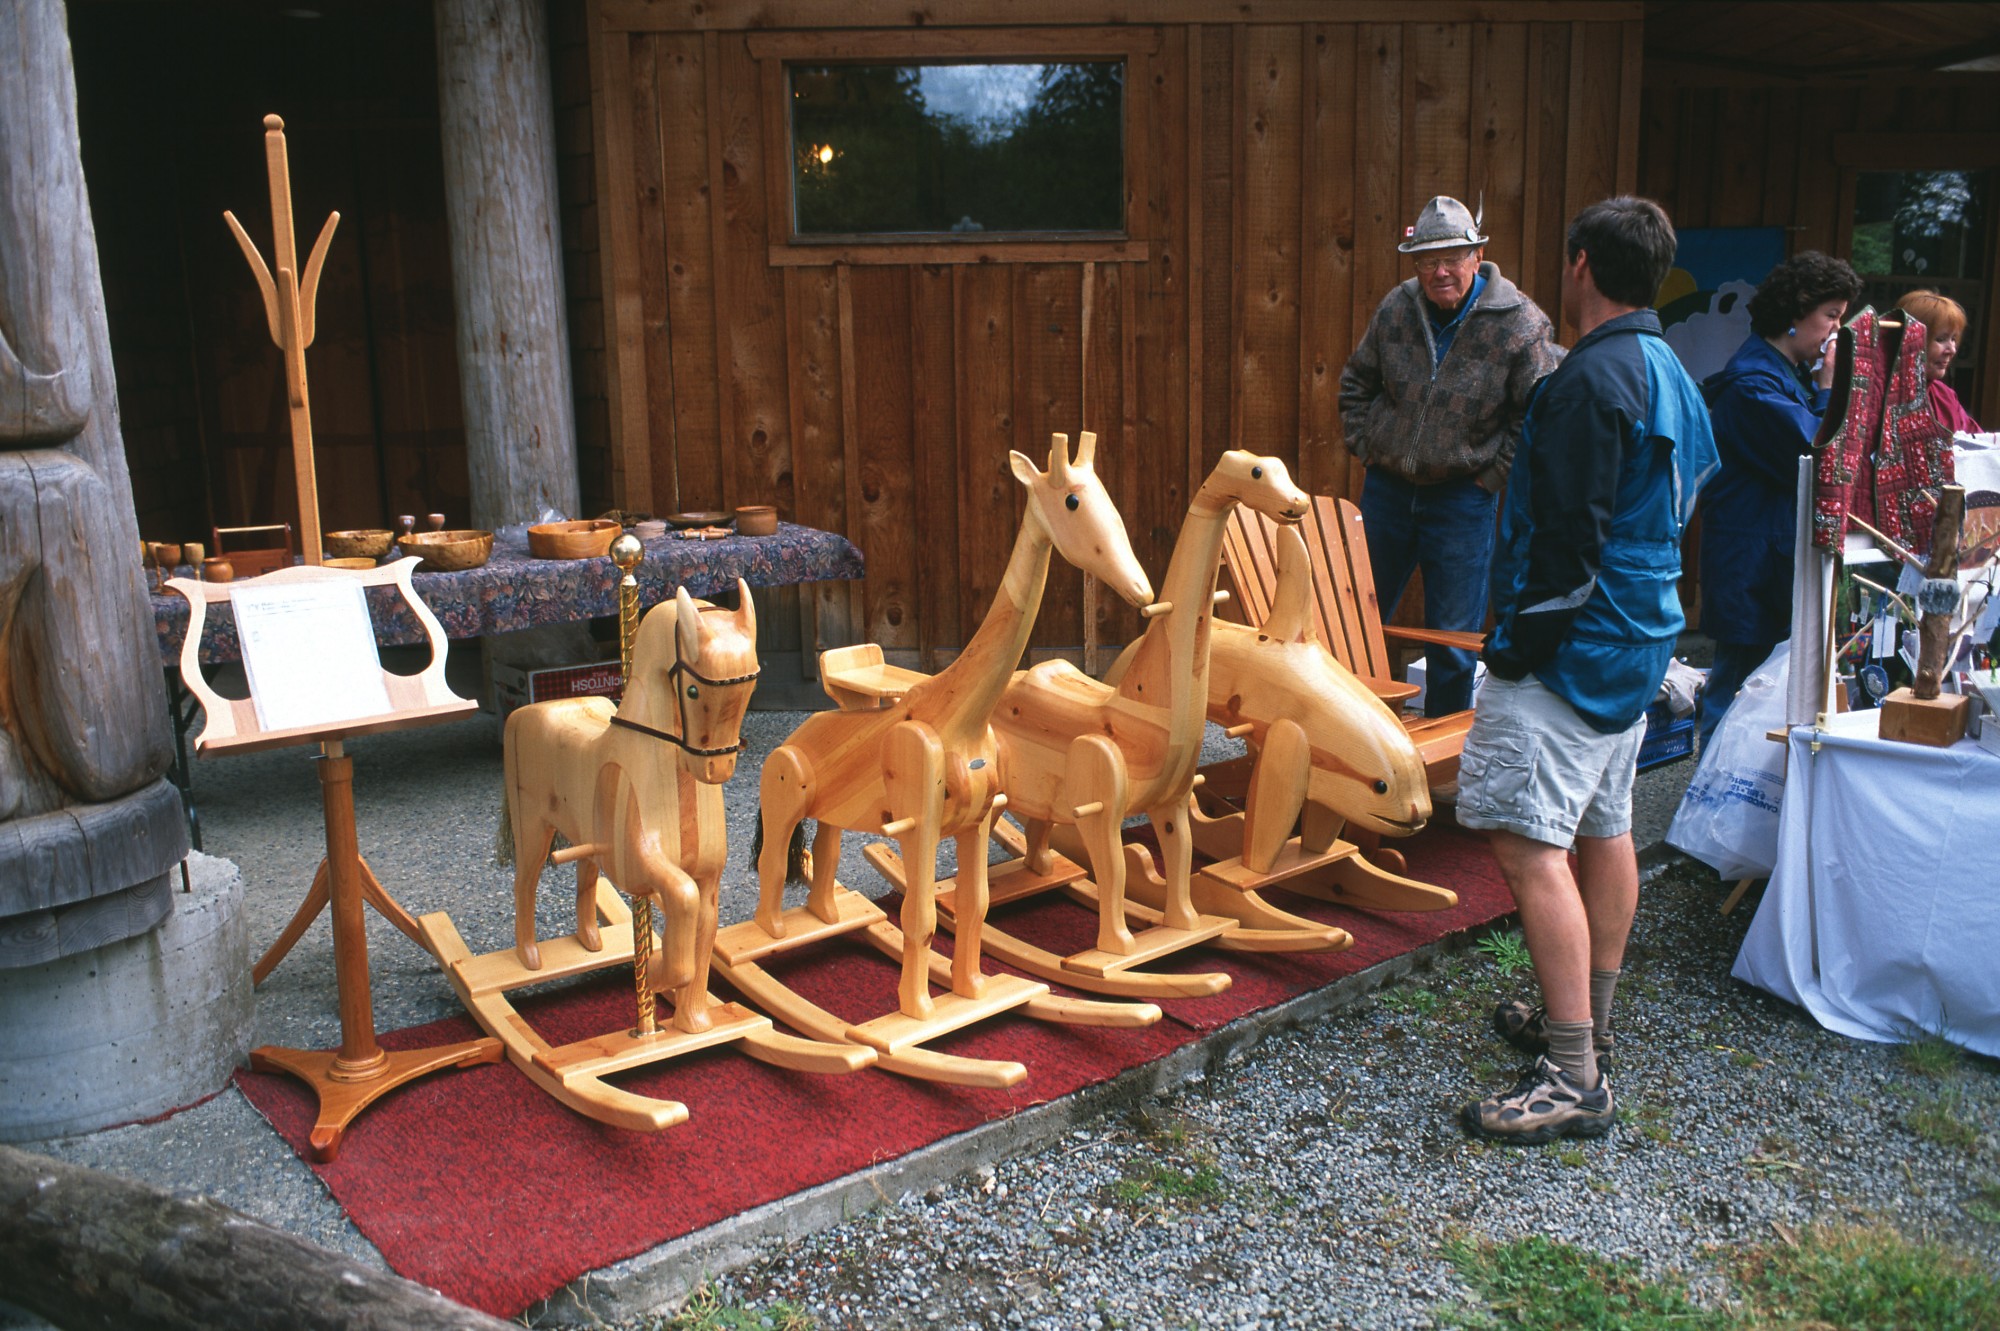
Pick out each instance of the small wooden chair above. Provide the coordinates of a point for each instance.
(1350, 619)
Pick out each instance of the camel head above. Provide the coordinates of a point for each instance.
(1071, 505)
(1259, 483)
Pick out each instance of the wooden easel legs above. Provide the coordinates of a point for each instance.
(360, 1072)
(345, 1092)
(315, 901)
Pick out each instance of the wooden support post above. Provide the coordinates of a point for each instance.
(496, 119)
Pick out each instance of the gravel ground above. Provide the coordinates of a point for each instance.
(1276, 1190)
(1313, 1182)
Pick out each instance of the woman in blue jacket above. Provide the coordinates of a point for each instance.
(1765, 406)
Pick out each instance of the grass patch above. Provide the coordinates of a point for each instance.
(1553, 1287)
(1417, 1002)
(1932, 1056)
(1940, 1120)
(1849, 1277)
(1867, 1278)
(706, 1311)
(1508, 952)
(1984, 1204)
(1167, 1183)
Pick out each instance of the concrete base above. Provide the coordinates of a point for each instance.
(133, 1029)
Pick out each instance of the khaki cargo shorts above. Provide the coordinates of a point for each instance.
(1532, 766)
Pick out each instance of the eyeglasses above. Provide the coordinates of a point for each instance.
(1430, 263)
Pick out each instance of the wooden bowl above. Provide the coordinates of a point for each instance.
(757, 520)
(449, 551)
(369, 542)
(587, 538)
(345, 561)
(713, 517)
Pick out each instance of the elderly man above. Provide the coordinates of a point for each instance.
(1432, 402)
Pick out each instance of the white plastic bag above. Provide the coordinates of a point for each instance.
(1728, 818)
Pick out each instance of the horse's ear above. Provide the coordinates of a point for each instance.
(746, 611)
(687, 624)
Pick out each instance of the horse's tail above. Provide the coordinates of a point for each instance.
(503, 834)
(798, 864)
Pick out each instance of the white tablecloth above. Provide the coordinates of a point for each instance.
(1882, 917)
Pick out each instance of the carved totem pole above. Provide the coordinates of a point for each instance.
(89, 830)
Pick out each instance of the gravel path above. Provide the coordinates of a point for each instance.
(1306, 1184)
(1313, 1181)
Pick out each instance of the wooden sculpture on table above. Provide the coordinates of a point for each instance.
(636, 789)
(913, 757)
(1073, 750)
(1920, 714)
(1322, 745)
(289, 300)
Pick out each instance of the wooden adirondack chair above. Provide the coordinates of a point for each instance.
(1350, 620)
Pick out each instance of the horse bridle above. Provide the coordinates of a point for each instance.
(674, 672)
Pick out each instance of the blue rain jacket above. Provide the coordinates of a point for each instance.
(1615, 446)
(1764, 418)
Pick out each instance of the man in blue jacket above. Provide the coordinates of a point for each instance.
(1616, 443)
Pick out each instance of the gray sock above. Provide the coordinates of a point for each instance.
(1603, 984)
(1570, 1049)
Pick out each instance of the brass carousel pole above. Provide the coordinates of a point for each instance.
(627, 552)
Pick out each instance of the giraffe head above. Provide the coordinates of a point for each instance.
(1259, 483)
(1071, 505)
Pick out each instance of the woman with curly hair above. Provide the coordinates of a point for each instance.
(1765, 406)
(1944, 321)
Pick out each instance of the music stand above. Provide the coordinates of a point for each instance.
(351, 1078)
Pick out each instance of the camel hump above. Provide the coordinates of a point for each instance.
(1291, 617)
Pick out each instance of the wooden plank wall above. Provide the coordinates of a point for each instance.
(1271, 168)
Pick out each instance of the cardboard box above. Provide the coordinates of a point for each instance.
(514, 687)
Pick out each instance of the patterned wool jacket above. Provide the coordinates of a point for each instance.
(1427, 422)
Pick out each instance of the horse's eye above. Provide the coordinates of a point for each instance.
(1256, 473)
(1381, 787)
(694, 690)
(1071, 503)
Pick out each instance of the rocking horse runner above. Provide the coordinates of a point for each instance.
(913, 757)
(1321, 742)
(636, 789)
(1075, 751)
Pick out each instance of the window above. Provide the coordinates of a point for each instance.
(953, 150)
(1917, 229)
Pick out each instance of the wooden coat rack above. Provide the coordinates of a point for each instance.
(289, 300)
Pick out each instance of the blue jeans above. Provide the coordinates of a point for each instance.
(1447, 530)
(1734, 663)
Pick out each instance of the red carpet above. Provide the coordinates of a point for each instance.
(476, 1183)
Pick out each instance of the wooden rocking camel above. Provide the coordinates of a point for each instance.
(636, 789)
(1322, 744)
(913, 757)
(1075, 751)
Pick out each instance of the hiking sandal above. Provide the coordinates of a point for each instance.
(1544, 1105)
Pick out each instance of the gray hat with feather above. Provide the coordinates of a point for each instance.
(1444, 224)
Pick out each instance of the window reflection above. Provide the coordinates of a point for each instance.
(958, 148)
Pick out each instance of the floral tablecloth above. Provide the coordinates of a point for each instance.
(514, 590)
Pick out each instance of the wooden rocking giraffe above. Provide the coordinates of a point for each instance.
(636, 788)
(1321, 743)
(913, 757)
(1073, 750)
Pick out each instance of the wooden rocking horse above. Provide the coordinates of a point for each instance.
(636, 788)
(1322, 743)
(1076, 751)
(913, 757)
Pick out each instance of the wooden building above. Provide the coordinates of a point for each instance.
(1272, 151)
